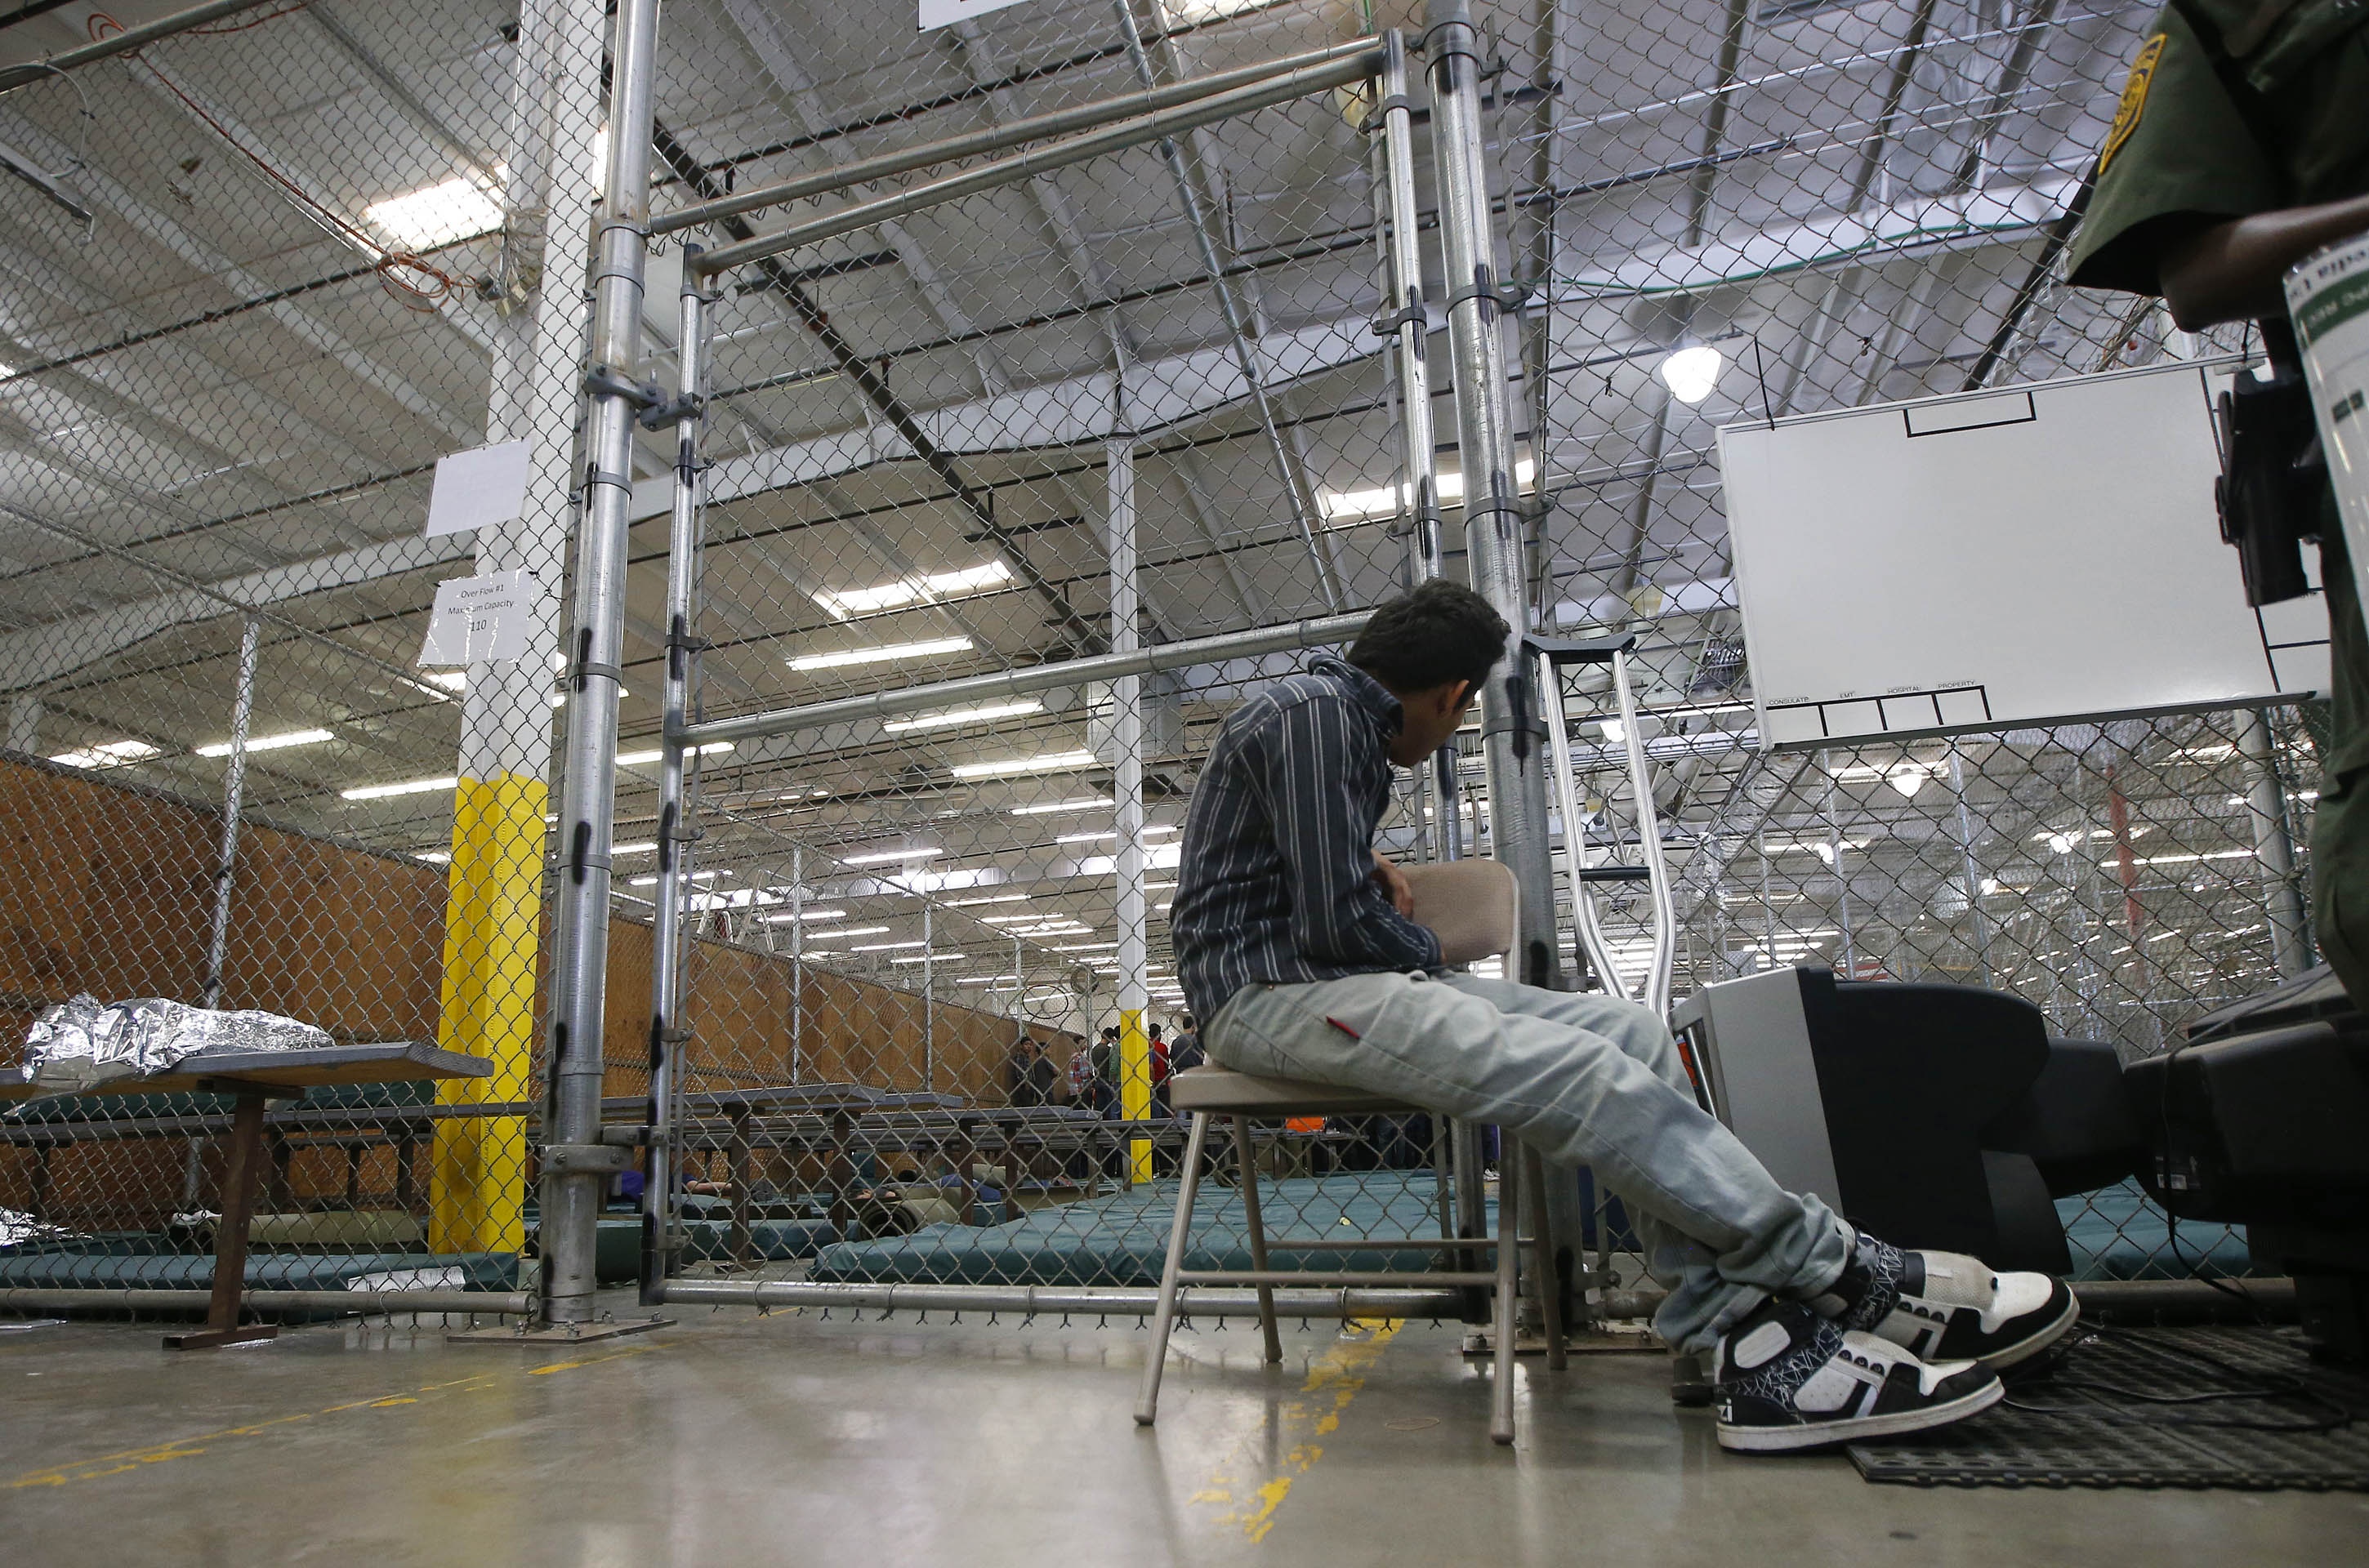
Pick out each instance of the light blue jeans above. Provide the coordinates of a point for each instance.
(1583, 1080)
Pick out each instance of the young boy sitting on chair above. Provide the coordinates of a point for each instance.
(1294, 944)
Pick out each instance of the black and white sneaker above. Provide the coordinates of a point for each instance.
(1947, 1306)
(1789, 1377)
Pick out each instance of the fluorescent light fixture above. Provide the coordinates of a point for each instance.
(885, 856)
(642, 759)
(435, 214)
(846, 603)
(408, 787)
(954, 716)
(985, 979)
(651, 880)
(451, 679)
(649, 847)
(880, 946)
(1909, 778)
(106, 754)
(1159, 887)
(1010, 920)
(809, 915)
(1084, 803)
(1388, 500)
(1691, 372)
(1150, 829)
(1045, 762)
(434, 857)
(932, 958)
(991, 898)
(1088, 947)
(270, 742)
(837, 932)
(2182, 859)
(883, 654)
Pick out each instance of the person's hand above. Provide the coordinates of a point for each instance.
(1395, 885)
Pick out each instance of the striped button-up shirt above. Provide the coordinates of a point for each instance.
(1275, 880)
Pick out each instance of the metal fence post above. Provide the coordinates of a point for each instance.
(668, 1031)
(1127, 791)
(798, 962)
(241, 714)
(2266, 802)
(1512, 735)
(573, 1178)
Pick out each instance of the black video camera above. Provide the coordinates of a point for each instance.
(2274, 473)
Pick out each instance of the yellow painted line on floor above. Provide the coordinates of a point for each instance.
(1251, 1491)
(189, 1447)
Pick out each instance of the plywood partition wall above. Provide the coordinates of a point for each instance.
(109, 890)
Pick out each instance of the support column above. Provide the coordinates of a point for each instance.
(574, 1184)
(493, 912)
(1127, 792)
(2266, 799)
(242, 717)
(1513, 735)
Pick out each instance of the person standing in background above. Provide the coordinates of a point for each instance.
(1185, 1054)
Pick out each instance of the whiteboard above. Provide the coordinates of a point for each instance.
(2004, 557)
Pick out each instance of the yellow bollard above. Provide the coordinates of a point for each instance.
(492, 936)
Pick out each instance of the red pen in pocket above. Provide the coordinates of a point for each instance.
(1342, 1027)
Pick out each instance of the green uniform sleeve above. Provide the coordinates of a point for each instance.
(2178, 148)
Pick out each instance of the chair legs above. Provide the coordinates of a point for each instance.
(1249, 1167)
(1509, 1203)
(1542, 1262)
(1521, 1180)
(1147, 1403)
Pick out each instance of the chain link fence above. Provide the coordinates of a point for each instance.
(1136, 399)
(300, 254)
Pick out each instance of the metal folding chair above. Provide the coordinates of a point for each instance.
(1472, 905)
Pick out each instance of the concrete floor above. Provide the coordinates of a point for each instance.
(731, 1438)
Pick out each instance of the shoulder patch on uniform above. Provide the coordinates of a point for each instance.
(2132, 102)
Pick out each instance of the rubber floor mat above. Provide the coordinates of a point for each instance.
(2238, 1408)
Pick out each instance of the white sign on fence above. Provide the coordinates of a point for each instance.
(479, 619)
(481, 487)
(938, 14)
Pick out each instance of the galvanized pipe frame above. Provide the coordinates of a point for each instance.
(122, 42)
(574, 1187)
(1495, 531)
(1294, 83)
(132, 1299)
(1121, 1301)
(997, 138)
(669, 936)
(1158, 659)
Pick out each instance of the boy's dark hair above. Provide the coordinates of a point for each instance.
(1440, 632)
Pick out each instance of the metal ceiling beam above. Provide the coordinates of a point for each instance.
(759, 30)
(876, 392)
(226, 273)
(53, 649)
(1172, 391)
(122, 42)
